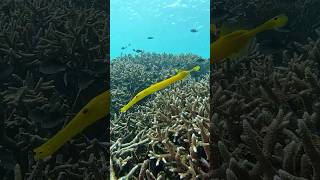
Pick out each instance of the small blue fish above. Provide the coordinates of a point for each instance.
(137, 50)
(194, 30)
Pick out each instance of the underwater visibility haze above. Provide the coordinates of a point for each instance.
(170, 26)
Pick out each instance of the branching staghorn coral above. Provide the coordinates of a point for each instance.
(29, 92)
(166, 135)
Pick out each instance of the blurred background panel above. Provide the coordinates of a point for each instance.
(54, 58)
(264, 98)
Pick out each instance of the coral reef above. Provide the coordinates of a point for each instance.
(53, 60)
(166, 135)
(265, 115)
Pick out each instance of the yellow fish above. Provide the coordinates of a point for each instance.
(158, 86)
(232, 44)
(213, 28)
(96, 109)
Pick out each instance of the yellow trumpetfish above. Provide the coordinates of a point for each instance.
(158, 86)
(213, 28)
(96, 109)
(232, 44)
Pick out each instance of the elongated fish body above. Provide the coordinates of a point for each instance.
(158, 86)
(213, 28)
(234, 43)
(96, 109)
(227, 46)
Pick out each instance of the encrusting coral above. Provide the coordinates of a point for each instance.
(265, 116)
(166, 135)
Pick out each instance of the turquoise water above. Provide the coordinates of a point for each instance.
(168, 21)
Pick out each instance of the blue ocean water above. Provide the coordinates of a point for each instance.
(168, 22)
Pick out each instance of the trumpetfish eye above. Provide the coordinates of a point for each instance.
(85, 111)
